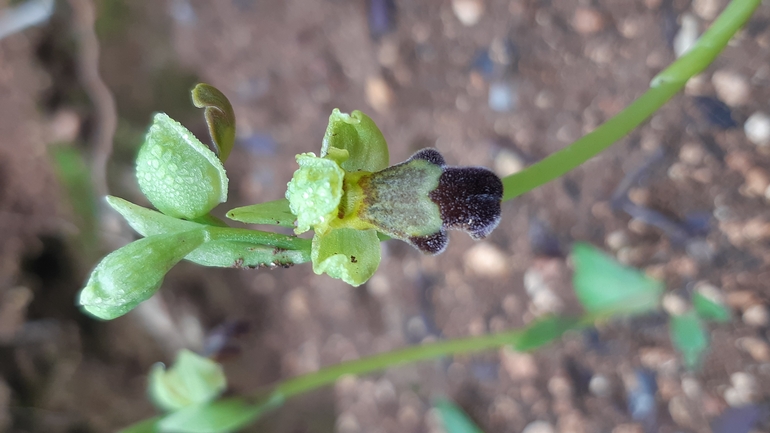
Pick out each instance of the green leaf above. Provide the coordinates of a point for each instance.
(178, 174)
(710, 310)
(347, 254)
(605, 287)
(217, 417)
(192, 380)
(220, 117)
(275, 212)
(689, 337)
(357, 134)
(314, 192)
(543, 331)
(149, 425)
(132, 274)
(454, 419)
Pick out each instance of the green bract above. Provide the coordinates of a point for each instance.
(192, 380)
(132, 274)
(178, 174)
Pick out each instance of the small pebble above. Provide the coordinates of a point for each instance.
(588, 21)
(756, 316)
(757, 181)
(680, 412)
(539, 427)
(628, 428)
(617, 240)
(379, 95)
(731, 87)
(674, 305)
(486, 260)
(502, 96)
(469, 12)
(755, 347)
(691, 154)
(347, 423)
(691, 388)
(706, 9)
(757, 128)
(600, 386)
(687, 35)
(519, 366)
(508, 162)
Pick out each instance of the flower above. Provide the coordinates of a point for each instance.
(347, 199)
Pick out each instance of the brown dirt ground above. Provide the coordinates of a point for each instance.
(285, 65)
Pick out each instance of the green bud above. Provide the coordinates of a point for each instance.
(178, 174)
(192, 380)
(132, 274)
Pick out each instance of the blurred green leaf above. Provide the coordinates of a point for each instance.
(178, 174)
(217, 417)
(275, 213)
(543, 331)
(75, 175)
(192, 380)
(133, 273)
(220, 117)
(147, 426)
(689, 337)
(454, 419)
(605, 287)
(710, 310)
(357, 135)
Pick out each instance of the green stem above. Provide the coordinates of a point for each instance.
(664, 86)
(258, 237)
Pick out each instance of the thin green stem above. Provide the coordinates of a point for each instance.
(259, 237)
(664, 86)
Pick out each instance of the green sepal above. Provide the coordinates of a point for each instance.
(314, 192)
(275, 212)
(347, 254)
(193, 379)
(178, 174)
(689, 337)
(133, 273)
(148, 222)
(360, 137)
(605, 287)
(219, 115)
(710, 310)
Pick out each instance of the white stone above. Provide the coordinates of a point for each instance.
(539, 427)
(757, 128)
(469, 12)
(731, 87)
(757, 316)
(486, 260)
(687, 35)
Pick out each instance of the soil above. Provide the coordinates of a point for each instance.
(525, 80)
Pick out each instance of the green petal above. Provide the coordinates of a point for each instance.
(314, 192)
(347, 254)
(193, 379)
(178, 174)
(359, 136)
(275, 212)
(132, 274)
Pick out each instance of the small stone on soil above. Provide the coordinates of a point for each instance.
(757, 128)
(588, 21)
(539, 427)
(731, 87)
(468, 12)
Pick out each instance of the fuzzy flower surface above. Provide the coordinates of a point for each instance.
(348, 195)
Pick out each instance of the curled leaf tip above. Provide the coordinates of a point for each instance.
(220, 117)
